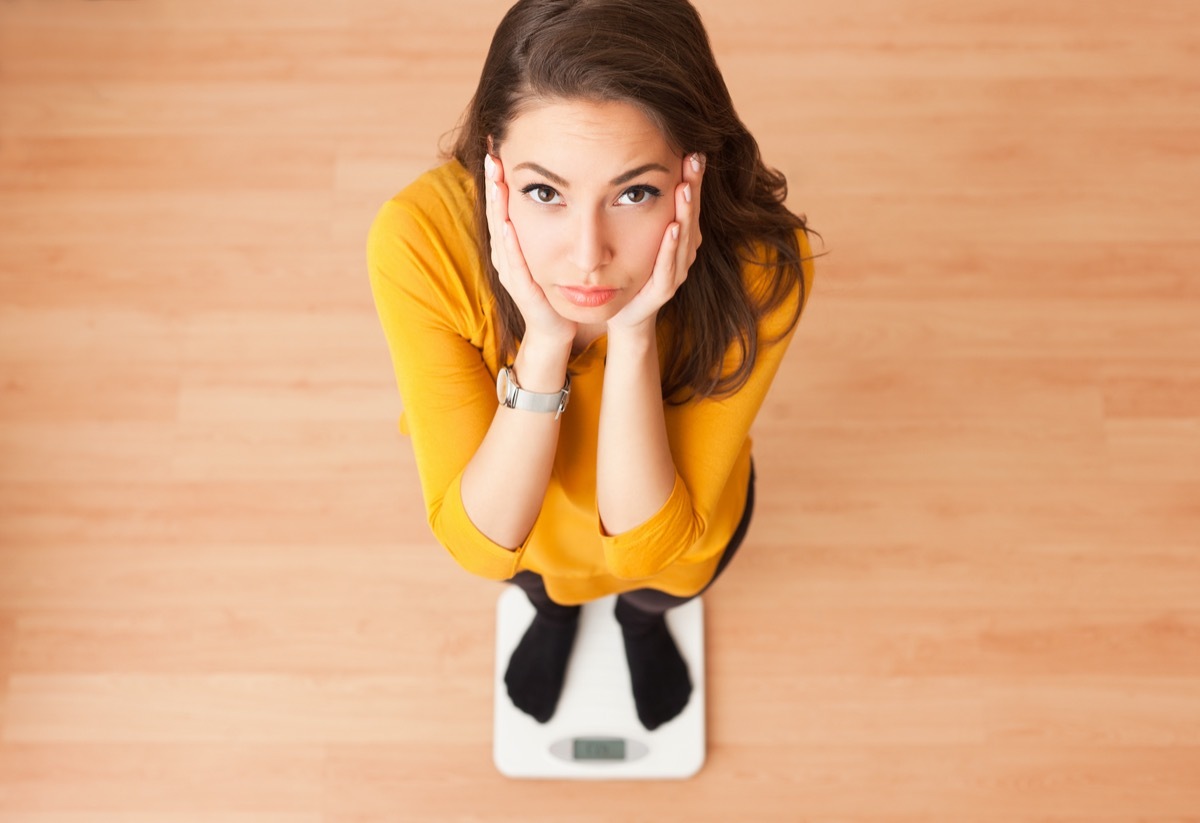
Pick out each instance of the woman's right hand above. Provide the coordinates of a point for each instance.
(541, 320)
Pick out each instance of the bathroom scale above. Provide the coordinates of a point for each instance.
(595, 733)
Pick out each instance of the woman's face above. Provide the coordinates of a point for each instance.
(591, 193)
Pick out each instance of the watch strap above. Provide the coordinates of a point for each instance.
(515, 397)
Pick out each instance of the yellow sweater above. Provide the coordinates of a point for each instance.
(434, 303)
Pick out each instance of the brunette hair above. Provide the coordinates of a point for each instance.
(655, 56)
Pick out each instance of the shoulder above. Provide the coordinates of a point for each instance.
(764, 276)
(422, 241)
(436, 207)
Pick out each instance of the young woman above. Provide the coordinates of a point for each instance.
(579, 370)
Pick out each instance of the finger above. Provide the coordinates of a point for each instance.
(506, 251)
(518, 280)
(665, 277)
(697, 165)
(661, 285)
(500, 196)
(694, 166)
(499, 251)
(507, 235)
(513, 254)
(501, 192)
(493, 225)
(685, 216)
(516, 274)
(693, 172)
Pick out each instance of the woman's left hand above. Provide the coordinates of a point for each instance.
(675, 255)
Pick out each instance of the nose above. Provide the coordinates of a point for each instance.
(590, 249)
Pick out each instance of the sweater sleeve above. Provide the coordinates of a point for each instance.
(706, 437)
(423, 295)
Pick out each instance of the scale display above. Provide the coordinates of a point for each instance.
(595, 733)
(591, 748)
(611, 749)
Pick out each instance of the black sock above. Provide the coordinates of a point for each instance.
(538, 667)
(659, 674)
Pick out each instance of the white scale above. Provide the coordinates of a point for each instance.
(595, 733)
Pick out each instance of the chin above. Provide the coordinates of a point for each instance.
(588, 316)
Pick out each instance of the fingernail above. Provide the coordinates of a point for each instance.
(489, 166)
(687, 191)
(675, 232)
(506, 230)
(494, 189)
(696, 162)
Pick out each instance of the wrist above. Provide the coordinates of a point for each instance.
(541, 363)
(640, 337)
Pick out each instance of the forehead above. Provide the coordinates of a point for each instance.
(583, 135)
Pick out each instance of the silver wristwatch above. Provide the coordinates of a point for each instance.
(514, 397)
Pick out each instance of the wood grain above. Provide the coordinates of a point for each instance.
(970, 589)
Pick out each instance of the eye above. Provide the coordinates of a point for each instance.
(637, 195)
(541, 194)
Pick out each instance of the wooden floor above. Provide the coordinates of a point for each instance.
(972, 589)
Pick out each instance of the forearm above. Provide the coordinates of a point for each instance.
(504, 484)
(635, 472)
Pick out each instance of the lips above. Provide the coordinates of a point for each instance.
(587, 297)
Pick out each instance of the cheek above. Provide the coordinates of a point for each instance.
(641, 241)
(538, 243)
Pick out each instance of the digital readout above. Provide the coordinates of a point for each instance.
(587, 748)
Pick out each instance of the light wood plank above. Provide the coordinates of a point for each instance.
(969, 592)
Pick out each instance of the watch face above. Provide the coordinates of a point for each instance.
(501, 384)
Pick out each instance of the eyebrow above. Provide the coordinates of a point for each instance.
(616, 181)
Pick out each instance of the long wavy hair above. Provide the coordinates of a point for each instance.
(655, 56)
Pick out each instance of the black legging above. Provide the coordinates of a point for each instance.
(649, 601)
